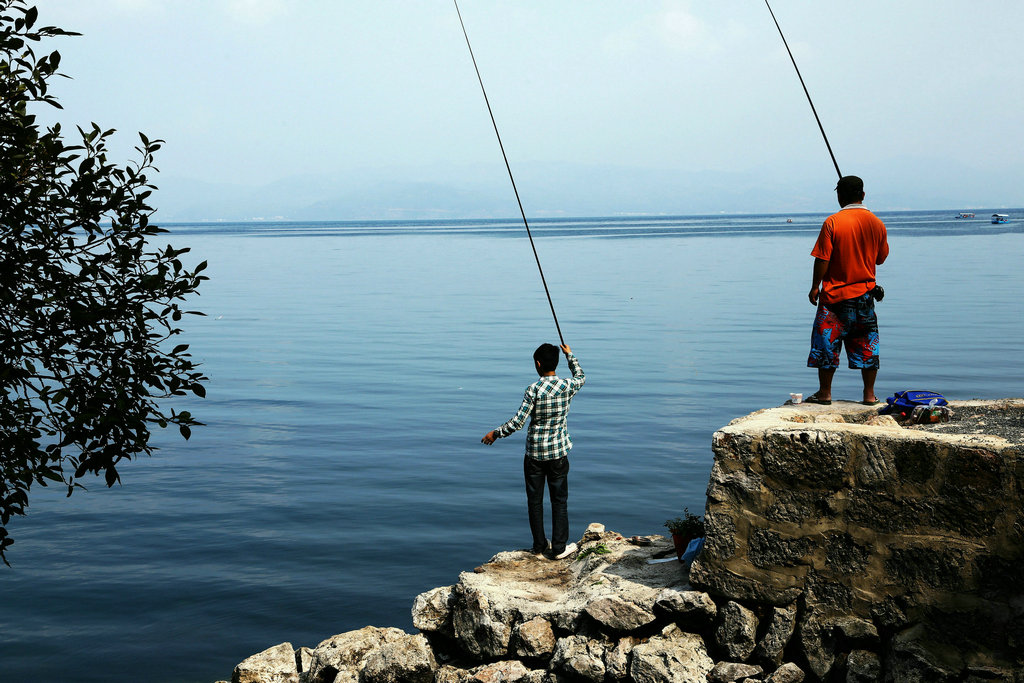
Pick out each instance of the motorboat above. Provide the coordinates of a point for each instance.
(1000, 218)
(965, 214)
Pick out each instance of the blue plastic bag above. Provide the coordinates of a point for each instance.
(693, 548)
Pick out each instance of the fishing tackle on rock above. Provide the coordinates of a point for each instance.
(815, 111)
(509, 168)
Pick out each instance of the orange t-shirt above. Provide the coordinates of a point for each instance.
(853, 241)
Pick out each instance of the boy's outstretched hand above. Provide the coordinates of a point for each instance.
(489, 438)
(566, 349)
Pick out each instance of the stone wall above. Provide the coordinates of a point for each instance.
(905, 542)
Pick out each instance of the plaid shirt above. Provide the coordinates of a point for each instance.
(546, 402)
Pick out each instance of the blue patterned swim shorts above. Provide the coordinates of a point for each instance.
(852, 322)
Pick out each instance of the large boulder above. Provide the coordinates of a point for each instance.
(501, 672)
(274, 665)
(863, 666)
(728, 672)
(431, 611)
(672, 657)
(776, 637)
(484, 633)
(580, 657)
(340, 658)
(694, 608)
(534, 639)
(616, 614)
(405, 660)
(616, 658)
(787, 673)
(736, 631)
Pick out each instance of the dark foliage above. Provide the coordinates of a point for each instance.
(88, 303)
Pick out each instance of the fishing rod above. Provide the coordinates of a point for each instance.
(510, 177)
(820, 127)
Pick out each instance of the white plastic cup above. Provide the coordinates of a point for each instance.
(796, 398)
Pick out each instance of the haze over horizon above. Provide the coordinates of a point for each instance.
(371, 110)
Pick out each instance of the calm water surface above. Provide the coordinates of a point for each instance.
(355, 366)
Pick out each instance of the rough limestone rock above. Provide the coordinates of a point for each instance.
(690, 607)
(777, 635)
(616, 659)
(511, 671)
(406, 660)
(615, 614)
(817, 641)
(736, 632)
(883, 421)
(340, 658)
(672, 657)
(580, 656)
(304, 658)
(857, 631)
(273, 665)
(914, 659)
(431, 611)
(447, 673)
(863, 666)
(787, 673)
(534, 639)
(727, 672)
(482, 631)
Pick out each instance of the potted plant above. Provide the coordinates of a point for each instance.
(684, 529)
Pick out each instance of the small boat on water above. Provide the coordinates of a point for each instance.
(1000, 218)
(964, 214)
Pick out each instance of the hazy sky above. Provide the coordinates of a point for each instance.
(923, 98)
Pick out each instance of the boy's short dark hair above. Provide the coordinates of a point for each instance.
(547, 356)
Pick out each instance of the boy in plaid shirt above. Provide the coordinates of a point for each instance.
(546, 403)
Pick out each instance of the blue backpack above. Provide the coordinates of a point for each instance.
(904, 402)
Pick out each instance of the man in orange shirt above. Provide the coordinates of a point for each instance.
(851, 243)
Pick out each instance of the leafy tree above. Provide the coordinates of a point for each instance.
(88, 304)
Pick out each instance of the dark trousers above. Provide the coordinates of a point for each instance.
(556, 474)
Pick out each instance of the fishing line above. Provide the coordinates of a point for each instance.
(510, 177)
(820, 127)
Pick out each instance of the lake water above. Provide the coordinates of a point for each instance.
(354, 367)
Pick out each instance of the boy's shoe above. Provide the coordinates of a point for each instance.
(569, 550)
(542, 552)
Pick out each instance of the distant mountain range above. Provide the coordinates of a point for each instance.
(549, 189)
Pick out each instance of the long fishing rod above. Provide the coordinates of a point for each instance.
(510, 177)
(820, 127)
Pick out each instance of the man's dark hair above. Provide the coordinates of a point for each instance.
(850, 189)
(547, 356)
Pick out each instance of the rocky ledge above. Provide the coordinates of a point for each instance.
(620, 610)
(840, 546)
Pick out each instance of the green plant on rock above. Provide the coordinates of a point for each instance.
(89, 304)
(688, 525)
(599, 549)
